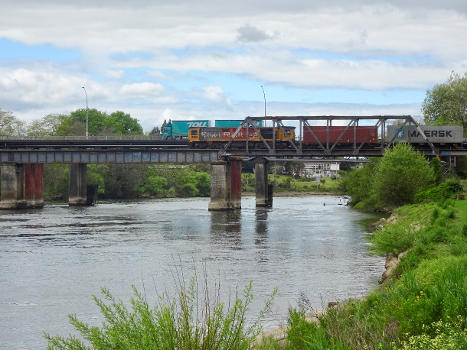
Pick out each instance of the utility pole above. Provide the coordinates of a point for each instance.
(264, 95)
(87, 110)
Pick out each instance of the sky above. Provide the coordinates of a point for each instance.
(184, 59)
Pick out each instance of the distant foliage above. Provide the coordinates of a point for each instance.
(10, 125)
(447, 103)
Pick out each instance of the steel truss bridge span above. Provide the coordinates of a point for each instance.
(298, 148)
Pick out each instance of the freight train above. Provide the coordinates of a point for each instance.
(315, 136)
(178, 129)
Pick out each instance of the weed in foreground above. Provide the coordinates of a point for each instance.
(187, 320)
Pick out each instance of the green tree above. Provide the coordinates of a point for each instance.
(123, 124)
(155, 185)
(359, 183)
(10, 125)
(446, 103)
(401, 173)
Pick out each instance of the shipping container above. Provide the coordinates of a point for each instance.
(367, 134)
(233, 123)
(435, 134)
(178, 129)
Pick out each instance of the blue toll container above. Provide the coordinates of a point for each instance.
(232, 123)
(178, 129)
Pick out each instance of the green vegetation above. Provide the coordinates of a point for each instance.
(193, 319)
(446, 103)
(402, 176)
(288, 183)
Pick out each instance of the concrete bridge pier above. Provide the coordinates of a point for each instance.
(21, 186)
(33, 185)
(77, 185)
(226, 185)
(263, 188)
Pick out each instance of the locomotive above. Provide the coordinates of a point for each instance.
(215, 136)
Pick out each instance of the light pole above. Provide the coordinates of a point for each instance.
(264, 95)
(87, 109)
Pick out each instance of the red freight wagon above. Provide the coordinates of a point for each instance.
(367, 134)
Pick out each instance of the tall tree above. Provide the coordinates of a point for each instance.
(46, 126)
(10, 125)
(446, 103)
(123, 124)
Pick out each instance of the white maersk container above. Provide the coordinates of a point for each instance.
(434, 134)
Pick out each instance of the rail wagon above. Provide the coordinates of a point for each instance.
(178, 129)
(435, 134)
(333, 134)
(232, 123)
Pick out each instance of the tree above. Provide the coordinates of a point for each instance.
(10, 125)
(123, 124)
(447, 103)
(46, 126)
(400, 174)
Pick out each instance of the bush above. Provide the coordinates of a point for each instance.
(155, 185)
(401, 173)
(441, 192)
(188, 321)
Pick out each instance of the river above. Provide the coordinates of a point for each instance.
(52, 260)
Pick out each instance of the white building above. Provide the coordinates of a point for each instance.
(320, 169)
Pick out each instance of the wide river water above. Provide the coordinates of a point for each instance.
(54, 259)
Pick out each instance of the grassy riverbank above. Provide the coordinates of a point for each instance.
(422, 305)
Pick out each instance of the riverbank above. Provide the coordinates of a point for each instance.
(421, 303)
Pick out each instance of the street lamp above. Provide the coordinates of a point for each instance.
(264, 95)
(87, 109)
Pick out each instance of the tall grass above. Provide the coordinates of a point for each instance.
(193, 318)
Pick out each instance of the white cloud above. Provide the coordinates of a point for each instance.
(363, 44)
(216, 94)
(144, 89)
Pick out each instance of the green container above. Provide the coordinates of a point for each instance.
(232, 123)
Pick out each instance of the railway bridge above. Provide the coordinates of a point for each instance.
(22, 159)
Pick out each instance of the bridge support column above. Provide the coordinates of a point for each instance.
(33, 185)
(262, 187)
(38, 172)
(226, 185)
(77, 186)
(236, 183)
(12, 186)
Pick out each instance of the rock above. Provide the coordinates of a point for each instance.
(391, 263)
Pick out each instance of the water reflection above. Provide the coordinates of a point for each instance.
(261, 236)
(226, 228)
(261, 218)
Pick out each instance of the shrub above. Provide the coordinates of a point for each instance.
(187, 321)
(441, 192)
(401, 173)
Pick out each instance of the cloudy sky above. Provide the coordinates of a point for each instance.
(185, 59)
